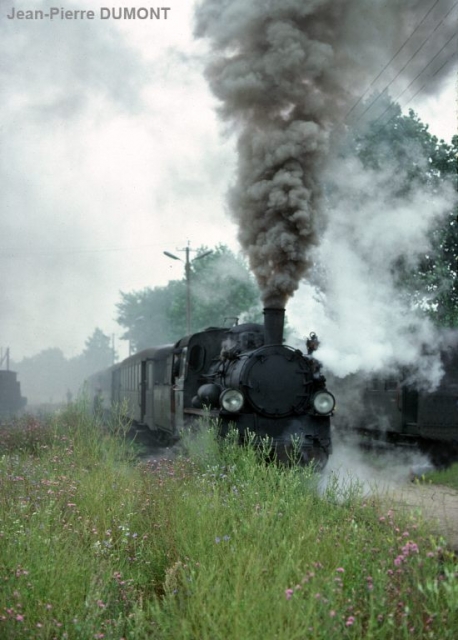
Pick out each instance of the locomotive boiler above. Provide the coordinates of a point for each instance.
(243, 376)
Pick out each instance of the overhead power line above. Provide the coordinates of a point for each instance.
(418, 75)
(385, 124)
(392, 59)
(371, 104)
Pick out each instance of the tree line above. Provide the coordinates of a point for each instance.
(51, 378)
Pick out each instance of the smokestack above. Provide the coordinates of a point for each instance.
(274, 320)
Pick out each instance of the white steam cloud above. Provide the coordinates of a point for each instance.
(364, 321)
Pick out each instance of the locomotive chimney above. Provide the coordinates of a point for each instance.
(274, 320)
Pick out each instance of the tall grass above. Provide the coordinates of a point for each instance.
(447, 477)
(214, 544)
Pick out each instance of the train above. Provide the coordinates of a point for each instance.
(243, 376)
(396, 411)
(11, 399)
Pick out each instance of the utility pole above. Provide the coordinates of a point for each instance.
(5, 357)
(187, 273)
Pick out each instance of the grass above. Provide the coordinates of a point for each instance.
(210, 545)
(447, 477)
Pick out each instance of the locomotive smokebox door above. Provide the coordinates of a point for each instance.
(276, 381)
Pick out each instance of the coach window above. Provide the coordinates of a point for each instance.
(391, 384)
(374, 384)
(159, 366)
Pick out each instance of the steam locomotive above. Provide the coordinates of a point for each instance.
(397, 411)
(11, 400)
(243, 376)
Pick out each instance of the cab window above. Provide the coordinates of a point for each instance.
(196, 357)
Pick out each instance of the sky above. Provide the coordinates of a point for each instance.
(111, 153)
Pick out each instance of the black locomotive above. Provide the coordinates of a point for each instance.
(397, 411)
(244, 376)
(11, 400)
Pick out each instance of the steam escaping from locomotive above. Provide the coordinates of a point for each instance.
(287, 72)
(365, 320)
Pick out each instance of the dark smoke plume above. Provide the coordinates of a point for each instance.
(287, 72)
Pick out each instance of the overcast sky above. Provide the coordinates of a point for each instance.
(111, 153)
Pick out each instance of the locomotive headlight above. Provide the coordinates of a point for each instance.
(231, 400)
(324, 402)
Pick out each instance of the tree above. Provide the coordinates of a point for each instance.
(221, 287)
(437, 276)
(144, 316)
(48, 377)
(45, 377)
(97, 353)
(407, 140)
(430, 162)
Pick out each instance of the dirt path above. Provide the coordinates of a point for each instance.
(437, 504)
(389, 475)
